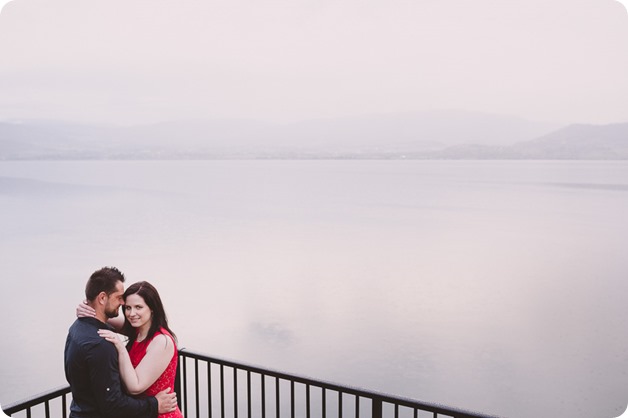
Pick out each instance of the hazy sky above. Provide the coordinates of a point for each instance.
(134, 61)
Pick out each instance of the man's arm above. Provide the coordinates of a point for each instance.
(105, 382)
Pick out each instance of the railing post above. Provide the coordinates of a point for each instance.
(177, 379)
(377, 408)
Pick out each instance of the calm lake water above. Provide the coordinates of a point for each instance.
(496, 286)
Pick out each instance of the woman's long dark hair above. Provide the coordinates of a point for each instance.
(150, 295)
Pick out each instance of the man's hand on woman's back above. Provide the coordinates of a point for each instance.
(167, 401)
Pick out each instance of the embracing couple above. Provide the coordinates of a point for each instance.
(130, 374)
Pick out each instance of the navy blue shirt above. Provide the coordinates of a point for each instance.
(91, 368)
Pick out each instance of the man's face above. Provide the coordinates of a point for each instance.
(114, 301)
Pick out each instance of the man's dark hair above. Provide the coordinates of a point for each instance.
(103, 280)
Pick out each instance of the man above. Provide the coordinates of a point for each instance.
(91, 362)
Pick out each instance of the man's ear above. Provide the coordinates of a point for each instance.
(102, 298)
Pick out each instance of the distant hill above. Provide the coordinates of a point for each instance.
(53, 140)
(573, 142)
(424, 135)
(419, 131)
(579, 142)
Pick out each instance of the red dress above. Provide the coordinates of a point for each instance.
(166, 380)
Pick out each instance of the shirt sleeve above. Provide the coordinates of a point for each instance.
(111, 400)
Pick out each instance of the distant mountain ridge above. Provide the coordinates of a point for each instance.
(579, 142)
(573, 142)
(423, 135)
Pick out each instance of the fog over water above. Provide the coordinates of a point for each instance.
(493, 286)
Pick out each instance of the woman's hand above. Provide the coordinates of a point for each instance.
(116, 339)
(84, 310)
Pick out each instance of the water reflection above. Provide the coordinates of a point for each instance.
(465, 284)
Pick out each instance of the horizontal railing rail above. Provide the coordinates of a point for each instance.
(210, 387)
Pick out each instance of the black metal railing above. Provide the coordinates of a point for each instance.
(55, 400)
(209, 387)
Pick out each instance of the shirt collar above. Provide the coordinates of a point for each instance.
(95, 322)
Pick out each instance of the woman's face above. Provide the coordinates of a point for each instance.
(136, 310)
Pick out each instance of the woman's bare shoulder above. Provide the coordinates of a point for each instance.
(161, 342)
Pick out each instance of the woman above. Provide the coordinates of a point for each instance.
(148, 361)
